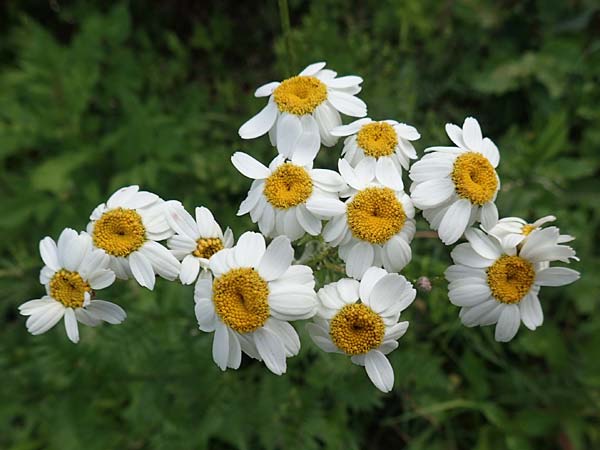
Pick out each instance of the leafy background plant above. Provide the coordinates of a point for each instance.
(93, 97)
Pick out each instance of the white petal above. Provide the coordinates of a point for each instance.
(140, 199)
(120, 197)
(219, 262)
(469, 294)
(379, 370)
(531, 311)
(471, 316)
(388, 175)
(260, 123)
(292, 303)
(44, 319)
(277, 258)
(351, 128)
(271, 350)
(249, 167)
(311, 224)
(328, 180)
(347, 104)
(162, 260)
(289, 130)
(287, 335)
(190, 266)
(482, 244)
(83, 316)
(556, 276)
(321, 338)
(432, 193)
(71, 325)
(490, 151)
(455, 134)
(235, 350)
(101, 279)
(508, 323)
(407, 132)
(328, 118)
(66, 236)
(472, 134)
(142, 270)
(308, 144)
(250, 249)
(106, 311)
(266, 89)
(465, 255)
(312, 69)
(395, 332)
(347, 290)
(386, 292)
(489, 215)
(360, 258)
(370, 277)
(49, 253)
(325, 206)
(458, 272)
(455, 221)
(424, 170)
(220, 348)
(397, 254)
(205, 314)
(345, 82)
(181, 221)
(206, 223)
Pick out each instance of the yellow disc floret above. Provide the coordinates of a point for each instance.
(119, 232)
(375, 215)
(474, 178)
(356, 329)
(240, 298)
(300, 95)
(377, 139)
(510, 278)
(289, 185)
(69, 288)
(206, 247)
(527, 229)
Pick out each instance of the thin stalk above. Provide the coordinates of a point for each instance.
(284, 16)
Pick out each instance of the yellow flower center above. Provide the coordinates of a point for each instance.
(356, 329)
(527, 229)
(288, 186)
(377, 139)
(206, 247)
(375, 215)
(474, 178)
(510, 278)
(69, 288)
(240, 298)
(119, 232)
(300, 95)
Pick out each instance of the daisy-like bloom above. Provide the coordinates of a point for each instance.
(73, 271)
(457, 186)
(387, 142)
(302, 111)
(127, 228)
(373, 227)
(516, 230)
(279, 194)
(361, 320)
(195, 241)
(498, 282)
(255, 292)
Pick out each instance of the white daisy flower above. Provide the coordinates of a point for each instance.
(302, 111)
(361, 320)
(457, 186)
(498, 282)
(373, 227)
(516, 229)
(254, 293)
(387, 142)
(195, 241)
(127, 228)
(73, 271)
(279, 194)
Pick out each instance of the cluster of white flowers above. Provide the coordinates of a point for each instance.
(248, 292)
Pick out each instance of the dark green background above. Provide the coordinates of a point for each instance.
(93, 97)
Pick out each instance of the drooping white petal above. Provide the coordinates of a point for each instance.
(308, 144)
(71, 325)
(531, 311)
(190, 267)
(325, 206)
(220, 348)
(249, 167)
(489, 215)
(271, 350)
(289, 130)
(396, 254)
(142, 270)
(360, 258)
(162, 260)
(311, 224)
(287, 335)
(106, 311)
(260, 123)
(455, 221)
(101, 279)
(379, 370)
(321, 338)
(482, 244)
(347, 104)
(508, 323)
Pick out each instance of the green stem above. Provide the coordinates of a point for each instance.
(284, 15)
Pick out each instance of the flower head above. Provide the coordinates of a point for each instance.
(196, 241)
(127, 228)
(387, 142)
(457, 186)
(302, 111)
(516, 230)
(361, 320)
(498, 282)
(72, 273)
(375, 224)
(247, 299)
(279, 194)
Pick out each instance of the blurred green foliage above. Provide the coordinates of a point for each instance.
(95, 97)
